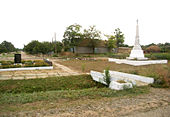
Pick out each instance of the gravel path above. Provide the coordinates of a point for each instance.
(154, 104)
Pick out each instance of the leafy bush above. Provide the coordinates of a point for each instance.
(153, 49)
(6, 62)
(107, 77)
(55, 55)
(10, 66)
(28, 63)
(159, 56)
(118, 56)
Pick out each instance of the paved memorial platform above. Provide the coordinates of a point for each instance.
(137, 63)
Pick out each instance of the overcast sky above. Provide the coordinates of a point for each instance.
(24, 20)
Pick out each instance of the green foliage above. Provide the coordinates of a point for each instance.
(107, 76)
(72, 36)
(88, 93)
(55, 55)
(83, 67)
(118, 56)
(136, 72)
(57, 47)
(28, 63)
(94, 35)
(6, 62)
(119, 37)
(10, 66)
(6, 46)
(111, 42)
(48, 84)
(36, 47)
(32, 47)
(158, 56)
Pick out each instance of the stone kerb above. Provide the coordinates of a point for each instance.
(119, 86)
(131, 76)
(26, 68)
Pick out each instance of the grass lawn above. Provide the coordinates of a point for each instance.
(21, 95)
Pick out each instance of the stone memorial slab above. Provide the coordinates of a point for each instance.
(17, 58)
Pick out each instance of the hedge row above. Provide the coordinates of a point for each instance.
(28, 63)
(155, 56)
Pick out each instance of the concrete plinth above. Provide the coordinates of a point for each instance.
(137, 63)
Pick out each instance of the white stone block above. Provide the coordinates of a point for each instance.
(119, 86)
(131, 76)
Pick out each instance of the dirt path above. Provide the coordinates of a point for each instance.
(154, 104)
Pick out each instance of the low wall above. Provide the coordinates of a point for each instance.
(89, 50)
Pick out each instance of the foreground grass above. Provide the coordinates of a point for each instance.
(22, 95)
(10, 102)
(48, 84)
(90, 93)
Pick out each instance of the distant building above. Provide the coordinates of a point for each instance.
(124, 50)
(85, 47)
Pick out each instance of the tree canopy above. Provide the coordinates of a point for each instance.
(72, 36)
(6, 46)
(94, 35)
(119, 37)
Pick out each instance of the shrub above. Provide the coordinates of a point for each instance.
(107, 76)
(6, 62)
(10, 66)
(159, 56)
(55, 55)
(153, 49)
(118, 56)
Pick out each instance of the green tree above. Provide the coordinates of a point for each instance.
(57, 46)
(32, 47)
(111, 42)
(94, 35)
(45, 47)
(72, 36)
(119, 37)
(6, 46)
(3, 49)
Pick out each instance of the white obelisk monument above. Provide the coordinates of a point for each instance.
(137, 52)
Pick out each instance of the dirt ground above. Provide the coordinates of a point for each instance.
(154, 104)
